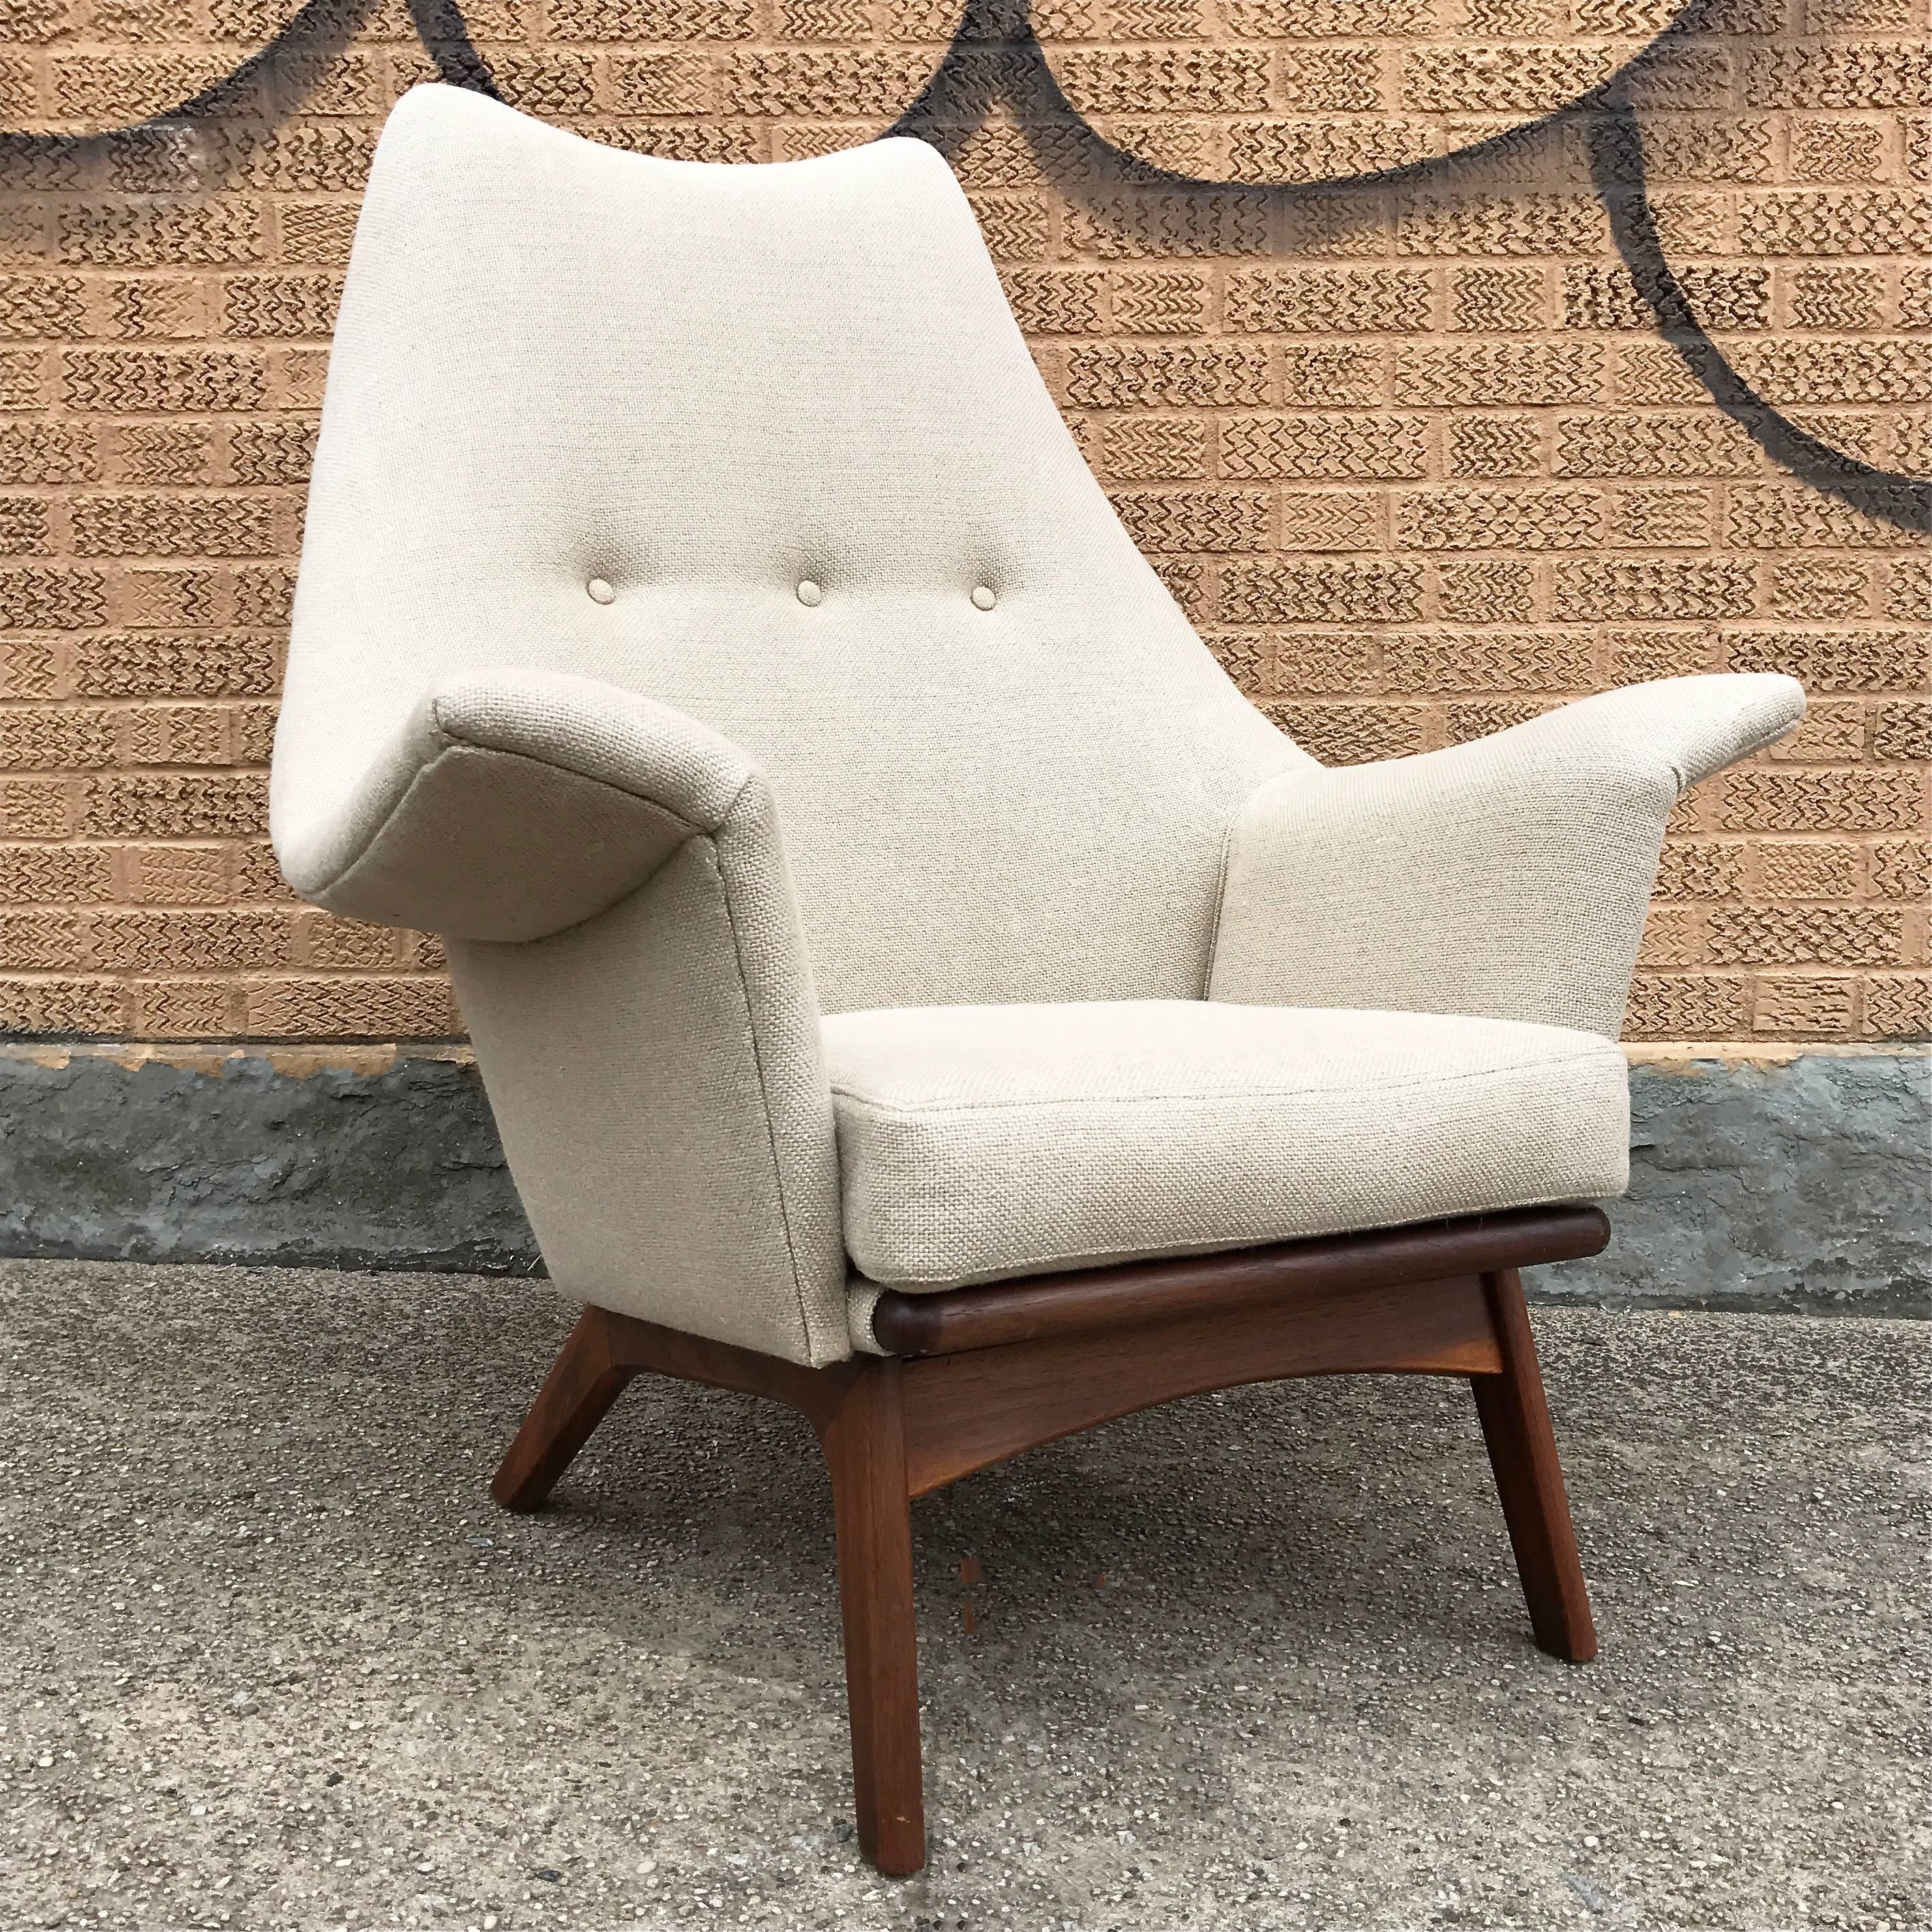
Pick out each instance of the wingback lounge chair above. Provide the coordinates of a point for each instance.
(912, 982)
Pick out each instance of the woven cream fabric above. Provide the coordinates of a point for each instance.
(654, 500)
(1507, 877)
(979, 1142)
(556, 364)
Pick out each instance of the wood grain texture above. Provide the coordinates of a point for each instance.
(1515, 1417)
(1408, 1301)
(1136, 1293)
(583, 1382)
(865, 1449)
(968, 1411)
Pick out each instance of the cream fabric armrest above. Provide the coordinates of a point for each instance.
(1507, 877)
(511, 805)
(610, 880)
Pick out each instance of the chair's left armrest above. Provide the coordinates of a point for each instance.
(511, 804)
(1507, 877)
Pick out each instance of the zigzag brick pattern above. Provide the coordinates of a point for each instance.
(1409, 450)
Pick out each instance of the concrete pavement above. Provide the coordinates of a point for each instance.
(273, 1659)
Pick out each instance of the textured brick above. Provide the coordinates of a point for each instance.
(42, 305)
(1166, 80)
(1465, 519)
(223, 940)
(1515, 80)
(1685, 1006)
(1325, 149)
(1337, 520)
(1774, 516)
(1901, 730)
(61, 1006)
(35, 807)
(200, 526)
(340, 945)
(1333, 373)
(174, 874)
(1497, 591)
(1820, 587)
(280, 305)
(1492, 445)
(1841, 935)
(1908, 592)
(1136, 448)
(1813, 1005)
(160, 234)
(1700, 868)
(1330, 445)
(1491, 301)
(137, 381)
(1320, 592)
(1530, 224)
(1502, 373)
(1898, 1006)
(141, 664)
(175, 806)
(1194, 520)
(1828, 221)
(1853, 75)
(40, 941)
(1412, 453)
(1130, 375)
(1160, 302)
(1811, 799)
(1488, 660)
(1901, 868)
(57, 874)
(1602, 295)
(1647, 590)
(1654, 444)
(1149, 223)
(46, 737)
(1835, 660)
(35, 598)
(1051, 301)
(1330, 300)
(1809, 869)
(1636, 655)
(367, 1007)
(1354, 734)
(1330, 80)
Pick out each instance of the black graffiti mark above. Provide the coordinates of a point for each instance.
(995, 56)
(445, 35)
(959, 96)
(1616, 160)
(282, 73)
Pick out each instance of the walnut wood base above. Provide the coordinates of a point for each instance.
(984, 1373)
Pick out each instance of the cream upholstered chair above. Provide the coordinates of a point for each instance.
(911, 982)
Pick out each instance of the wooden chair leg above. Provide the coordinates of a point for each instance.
(1529, 1479)
(865, 1447)
(584, 1381)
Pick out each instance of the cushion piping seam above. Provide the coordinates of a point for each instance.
(912, 1110)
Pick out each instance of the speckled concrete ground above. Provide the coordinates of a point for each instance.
(271, 1659)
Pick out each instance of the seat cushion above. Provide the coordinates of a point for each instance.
(978, 1143)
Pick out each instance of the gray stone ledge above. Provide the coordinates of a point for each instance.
(1791, 1177)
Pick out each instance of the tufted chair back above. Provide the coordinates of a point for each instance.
(765, 444)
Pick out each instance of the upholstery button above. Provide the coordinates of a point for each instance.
(808, 592)
(983, 598)
(600, 592)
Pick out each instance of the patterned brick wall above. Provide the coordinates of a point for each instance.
(1410, 447)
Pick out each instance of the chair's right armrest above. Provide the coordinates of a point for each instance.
(609, 876)
(511, 805)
